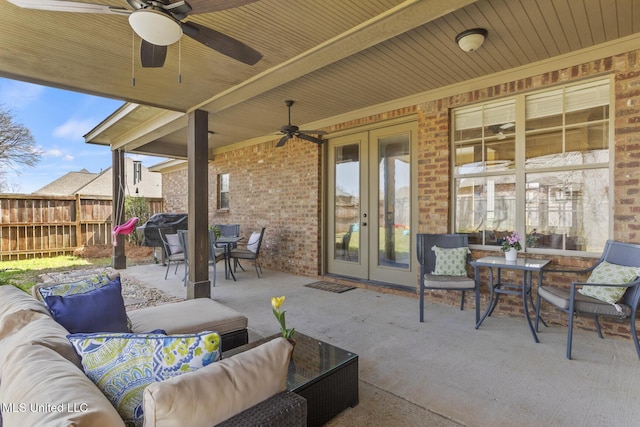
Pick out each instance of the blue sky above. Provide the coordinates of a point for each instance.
(58, 120)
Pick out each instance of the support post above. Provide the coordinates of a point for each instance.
(198, 285)
(118, 257)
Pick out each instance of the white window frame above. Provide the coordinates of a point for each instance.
(520, 172)
(224, 189)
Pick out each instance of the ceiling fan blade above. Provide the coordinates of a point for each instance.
(206, 6)
(314, 132)
(310, 138)
(283, 140)
(151, 55)
(222, 43)
(69, 6)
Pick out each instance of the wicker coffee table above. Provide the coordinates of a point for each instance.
(325, 375)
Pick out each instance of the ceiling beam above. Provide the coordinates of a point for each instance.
(395, 21)
(164, 123)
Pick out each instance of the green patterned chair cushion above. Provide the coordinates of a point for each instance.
(610, 274)
(450, 261)
(80, 287)
(123, 365)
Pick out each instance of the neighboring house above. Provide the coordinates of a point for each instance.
(139, 181)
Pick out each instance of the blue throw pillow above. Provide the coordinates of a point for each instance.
(99, 310)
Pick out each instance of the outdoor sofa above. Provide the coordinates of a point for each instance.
(42, 381)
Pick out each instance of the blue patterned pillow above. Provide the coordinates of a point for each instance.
(80, 287)
(123, 365)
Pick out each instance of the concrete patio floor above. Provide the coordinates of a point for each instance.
(442, 372)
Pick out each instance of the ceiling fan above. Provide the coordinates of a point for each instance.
(289, 131)
(159, 24)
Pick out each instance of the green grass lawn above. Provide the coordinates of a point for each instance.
(25, 273)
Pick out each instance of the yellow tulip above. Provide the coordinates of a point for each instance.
(276, 302)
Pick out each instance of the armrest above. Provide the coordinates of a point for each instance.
(568, 270)
(285, 409)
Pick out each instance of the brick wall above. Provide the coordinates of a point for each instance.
(280, 188)
(174, 193)
(275, 188)
(434, 170)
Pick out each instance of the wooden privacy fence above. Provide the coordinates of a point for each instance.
(36, 226)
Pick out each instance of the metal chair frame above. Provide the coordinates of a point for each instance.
(614, 252)
(237, 254)
(166, 248)
(427, 260)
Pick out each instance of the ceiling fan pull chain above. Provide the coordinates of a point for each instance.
(180, 61)
(133, 59)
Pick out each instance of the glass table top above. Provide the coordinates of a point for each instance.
(518, 264)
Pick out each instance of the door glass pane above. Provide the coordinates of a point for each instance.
(347, 203)
(394, 195)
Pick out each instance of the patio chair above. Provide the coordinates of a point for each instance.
(612, 290)
(183, 235)
(443, 259)
(216, 254)
(343, 243)
(228, 230)
(250, 253)
(171, 247)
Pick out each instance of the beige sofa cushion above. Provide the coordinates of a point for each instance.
(38, 329)
(219, 391)
(23, 320)
(41, 388)
(187, 317)
(14, 299)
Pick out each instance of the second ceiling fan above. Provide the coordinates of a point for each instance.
(159, 24)
(290, 131)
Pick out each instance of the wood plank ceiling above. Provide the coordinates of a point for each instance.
(331, 56)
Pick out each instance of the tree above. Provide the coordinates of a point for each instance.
(17, 146)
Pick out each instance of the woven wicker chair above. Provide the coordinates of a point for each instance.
(285, 409)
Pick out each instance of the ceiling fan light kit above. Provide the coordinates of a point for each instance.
(471, 40)
(156, 27)
(159, 23)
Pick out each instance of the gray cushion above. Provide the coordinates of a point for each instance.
(173, 241)
(448, 282)
(186, 317)
(584, 304)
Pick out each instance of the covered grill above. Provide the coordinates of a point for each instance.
(149, 230)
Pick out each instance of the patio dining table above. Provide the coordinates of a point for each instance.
(527, 265)
(228, 242)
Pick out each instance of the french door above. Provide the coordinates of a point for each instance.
(371, 220)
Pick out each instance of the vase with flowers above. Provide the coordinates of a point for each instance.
(510, 245)
(276, 303)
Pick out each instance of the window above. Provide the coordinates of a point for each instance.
(537, 164)
(223, 191)
(137, 171)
